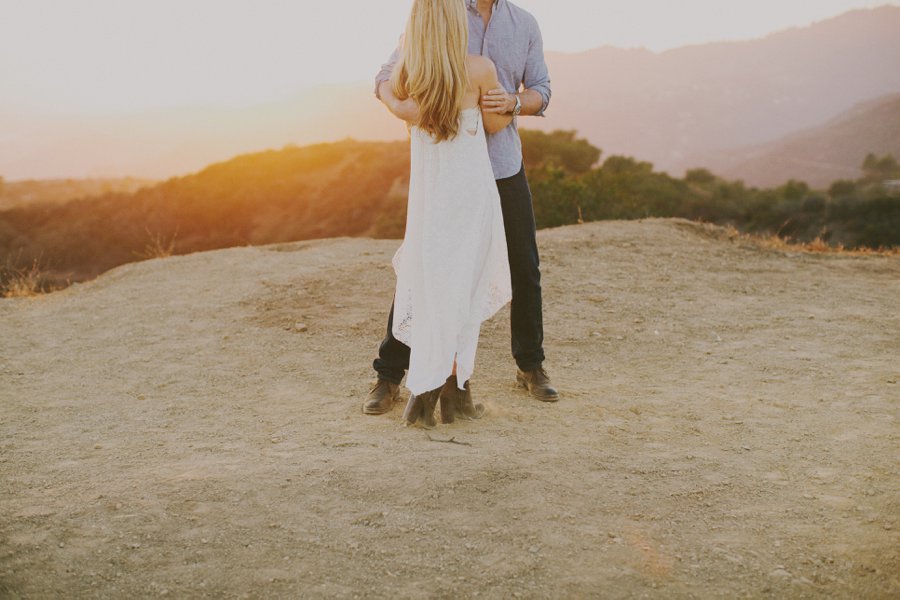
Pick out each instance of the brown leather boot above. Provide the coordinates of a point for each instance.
(381, 398)
(458, 403)
(538, 384)
(420, 409)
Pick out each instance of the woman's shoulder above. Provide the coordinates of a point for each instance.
(481, 67)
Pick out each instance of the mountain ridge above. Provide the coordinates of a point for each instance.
(670, 106)
(817, 155)
(861, 13)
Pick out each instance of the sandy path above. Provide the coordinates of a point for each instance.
(728, 428)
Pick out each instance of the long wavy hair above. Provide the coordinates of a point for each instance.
(432, 69)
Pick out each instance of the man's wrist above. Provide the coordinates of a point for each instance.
(517, 106)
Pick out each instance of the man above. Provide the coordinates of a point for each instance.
(511, 38)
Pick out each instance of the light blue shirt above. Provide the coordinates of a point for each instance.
(512, 39)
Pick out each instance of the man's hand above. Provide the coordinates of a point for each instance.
(406, 110)
(498, 101)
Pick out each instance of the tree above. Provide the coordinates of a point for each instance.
(699, 176)
(842, 188)
(560, 149)
(558, 198)
(793, 190)
(885, 167)
(870, 163)
(626, 165)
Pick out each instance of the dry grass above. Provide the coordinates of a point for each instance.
(774, 242)
(817, 246)
(158, 246)
(19, 282)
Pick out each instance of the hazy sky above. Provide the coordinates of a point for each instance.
(120, 55)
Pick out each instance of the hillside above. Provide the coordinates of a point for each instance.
(354, 188)
(325, 190)
(727, 428)
(819, 155)
(660, 107)
(14, 194)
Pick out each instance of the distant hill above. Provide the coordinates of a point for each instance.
(670, 106)
(662, 107)
(818, 156)
(56, 191)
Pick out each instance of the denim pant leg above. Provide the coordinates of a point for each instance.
(393, 355)
(524, 264)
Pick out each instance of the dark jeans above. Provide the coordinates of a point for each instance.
(526, 313)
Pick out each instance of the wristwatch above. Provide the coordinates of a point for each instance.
(518, 107)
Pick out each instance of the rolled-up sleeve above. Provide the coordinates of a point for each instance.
(537, 76)
(386, 70)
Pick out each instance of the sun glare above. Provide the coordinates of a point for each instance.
(110, 56)
(104, 56)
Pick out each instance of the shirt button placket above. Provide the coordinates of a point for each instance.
(484, 38)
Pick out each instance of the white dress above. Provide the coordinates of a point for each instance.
(452, 268)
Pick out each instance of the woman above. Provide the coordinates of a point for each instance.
(452, 268)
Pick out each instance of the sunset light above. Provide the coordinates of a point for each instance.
(155, 89)
(100, 56)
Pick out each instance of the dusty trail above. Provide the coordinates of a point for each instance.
(727, 429)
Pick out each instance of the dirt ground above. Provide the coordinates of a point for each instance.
(191, 427)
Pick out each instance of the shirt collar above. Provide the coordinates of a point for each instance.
(474, 3)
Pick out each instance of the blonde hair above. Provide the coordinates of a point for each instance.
(432, 69)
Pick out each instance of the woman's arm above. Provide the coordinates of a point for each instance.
(488, 80)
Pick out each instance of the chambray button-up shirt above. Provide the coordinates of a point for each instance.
(513, 41)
